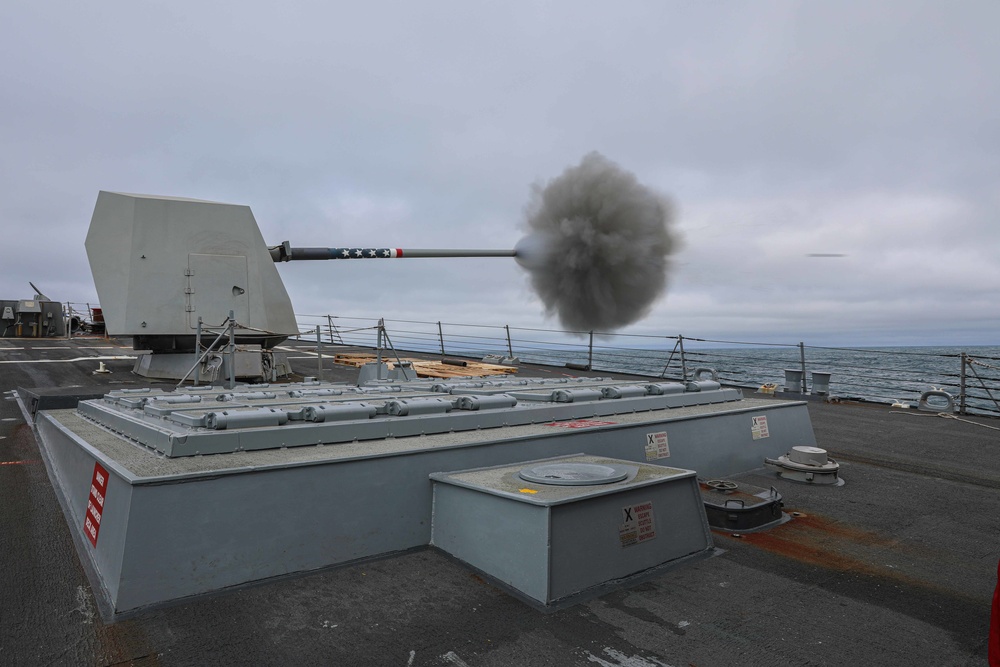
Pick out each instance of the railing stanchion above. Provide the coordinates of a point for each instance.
(590, 352)
(961, 385)
(441, 337)
(510, 349)
(802, 361)
(684, 367)
(197, 350)
(232, 349)
(319, 354)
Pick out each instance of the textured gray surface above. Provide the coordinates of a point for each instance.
(169, 536)
(505, 480)
(191, 424)
(143, 462)
(895, 568)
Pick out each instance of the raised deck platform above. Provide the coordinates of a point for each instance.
(204, 489)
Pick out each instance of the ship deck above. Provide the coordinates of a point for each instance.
(896, 567)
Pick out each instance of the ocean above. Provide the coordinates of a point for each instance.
(884, 375)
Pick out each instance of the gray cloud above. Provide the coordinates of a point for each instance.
(779, 128)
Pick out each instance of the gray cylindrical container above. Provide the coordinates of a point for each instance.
(820, 383)
(793, 380)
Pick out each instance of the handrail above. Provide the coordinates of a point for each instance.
(882, 375)
(870, 374)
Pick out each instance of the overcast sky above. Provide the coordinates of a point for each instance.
(780, 130)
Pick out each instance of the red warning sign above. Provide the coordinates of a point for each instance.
(95, 504)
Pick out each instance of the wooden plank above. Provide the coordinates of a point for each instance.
(428, 368)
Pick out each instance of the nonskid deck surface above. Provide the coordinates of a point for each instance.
(897, 567)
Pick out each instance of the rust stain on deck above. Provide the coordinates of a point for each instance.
(830, 544)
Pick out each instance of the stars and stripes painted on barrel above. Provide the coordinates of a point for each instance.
(365, 253)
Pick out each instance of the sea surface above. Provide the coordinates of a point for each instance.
(884, 375)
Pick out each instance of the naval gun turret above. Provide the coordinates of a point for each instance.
(167, 269)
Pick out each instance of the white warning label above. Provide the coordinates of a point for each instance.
(759, 427)
(657, 446)
(637, 524)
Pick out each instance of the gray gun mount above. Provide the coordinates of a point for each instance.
(163, 266)
(161, 263)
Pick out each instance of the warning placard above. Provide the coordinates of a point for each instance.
(759, 427)
(657, 446)
(637, 524)
(95, 503)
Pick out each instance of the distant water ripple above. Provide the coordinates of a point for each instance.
(882, 375)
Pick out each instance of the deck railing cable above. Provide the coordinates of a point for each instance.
(872, 374)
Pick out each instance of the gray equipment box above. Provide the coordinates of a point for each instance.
(31, 318)
(556, 541)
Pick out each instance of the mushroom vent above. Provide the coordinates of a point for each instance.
(575, 474)
(810, 456)
(807, 464)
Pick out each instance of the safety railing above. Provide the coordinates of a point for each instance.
(884, 375)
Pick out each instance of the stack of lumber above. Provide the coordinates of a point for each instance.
(430, 369)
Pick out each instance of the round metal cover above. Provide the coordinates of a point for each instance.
(574, 474)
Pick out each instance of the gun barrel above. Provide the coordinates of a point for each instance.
(286, 253)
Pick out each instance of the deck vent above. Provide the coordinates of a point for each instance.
(807, 464)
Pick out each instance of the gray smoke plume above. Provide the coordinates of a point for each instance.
(597, 246)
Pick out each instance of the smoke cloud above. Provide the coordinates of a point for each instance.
(597, 246)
